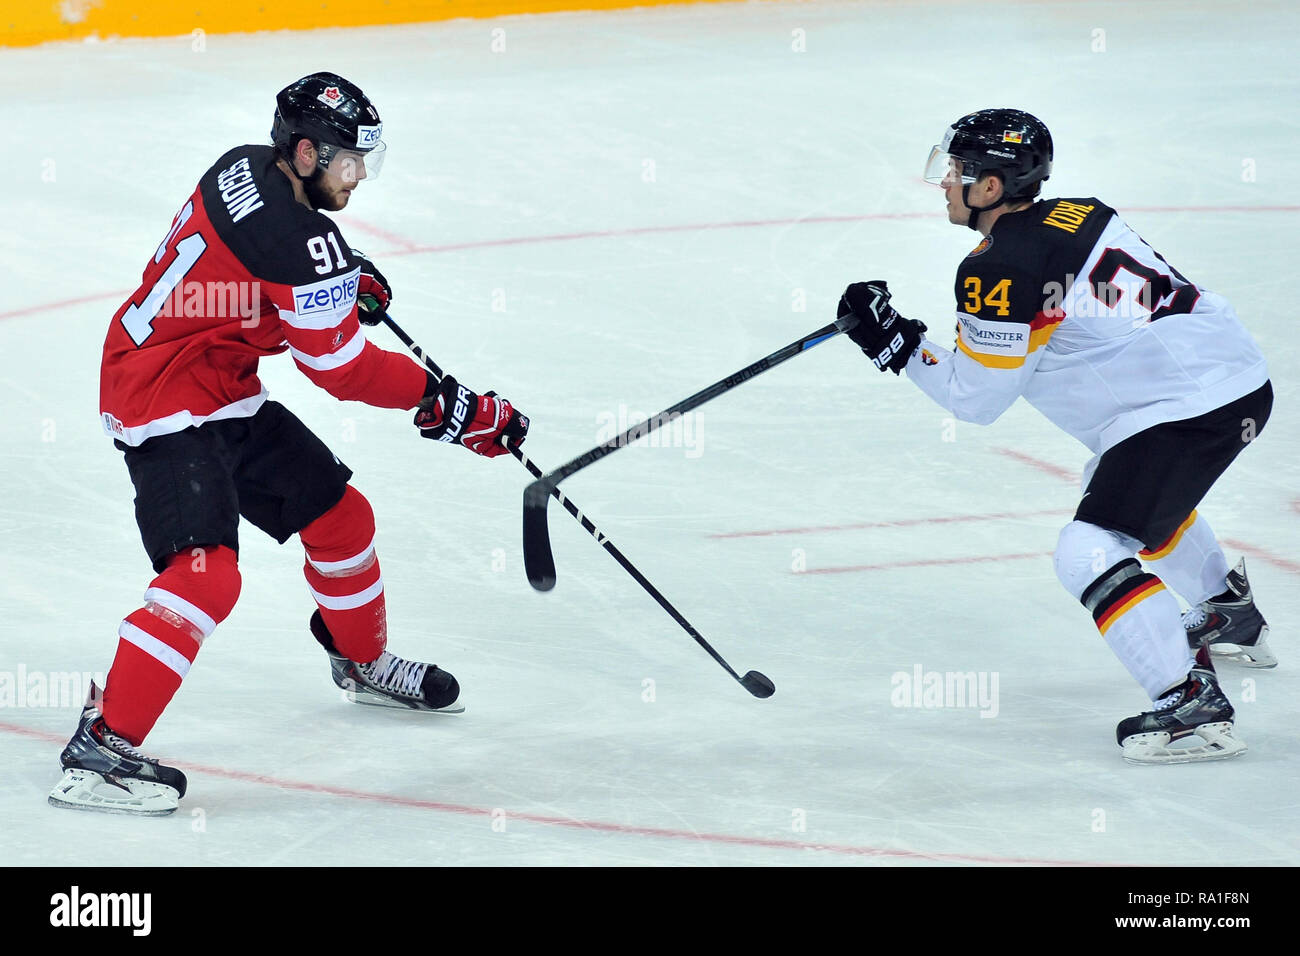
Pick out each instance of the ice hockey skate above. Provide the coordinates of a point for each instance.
(390, 681)
(1192, 722)
(1230, 624)
(101, 771)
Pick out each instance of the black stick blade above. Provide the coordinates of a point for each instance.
(758, 684)
(539, 563)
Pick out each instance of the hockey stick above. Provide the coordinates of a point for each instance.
(757, 684)
(432, 366)
(539, 562)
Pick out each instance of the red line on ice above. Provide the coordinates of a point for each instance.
(901, 523)
(1250, 549)
(383, 234)
(1198, 209)
(65, 303)
(621, 829)
(409, 247)
(1256, 552)
(926, 562)
(1044, 466)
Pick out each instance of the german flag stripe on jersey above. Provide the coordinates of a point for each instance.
(990, 361)
(1163, 550)
(1044, 324)
(1134, 591)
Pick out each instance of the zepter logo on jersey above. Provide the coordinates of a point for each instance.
(322, 305)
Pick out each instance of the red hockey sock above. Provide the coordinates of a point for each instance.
(343, 575)
(158, 642)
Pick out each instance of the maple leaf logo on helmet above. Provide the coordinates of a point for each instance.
(331, 97)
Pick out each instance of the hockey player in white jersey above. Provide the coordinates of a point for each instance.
(1062, 303)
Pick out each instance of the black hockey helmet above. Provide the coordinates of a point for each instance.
(335, 115)
(1009, 143)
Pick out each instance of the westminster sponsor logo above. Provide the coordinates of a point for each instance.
(75, 909)
(993, 338)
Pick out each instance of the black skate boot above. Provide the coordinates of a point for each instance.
(1230, 624)
(101, 771)
(390, 681)
(1196, 709)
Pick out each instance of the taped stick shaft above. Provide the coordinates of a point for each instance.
(641, 429)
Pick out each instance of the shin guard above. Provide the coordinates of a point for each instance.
(158, 642)
(343, 576)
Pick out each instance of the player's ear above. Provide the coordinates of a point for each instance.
(992, 185)
(304, 156)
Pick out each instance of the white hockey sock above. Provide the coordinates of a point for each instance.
(1140, 620)
(1137, 616)
(1191, 561)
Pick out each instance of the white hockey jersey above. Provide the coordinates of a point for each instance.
(1065, 304)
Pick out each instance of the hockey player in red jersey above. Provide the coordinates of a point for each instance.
(251, 267)
(1062, 303)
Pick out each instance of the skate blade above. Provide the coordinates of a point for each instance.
(1258, 654)
(87, 790)
(1153, 748)
(370, 699)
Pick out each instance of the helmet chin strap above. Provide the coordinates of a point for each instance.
(975, 213)
(311, 184)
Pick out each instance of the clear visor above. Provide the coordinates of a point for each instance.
(945, 169)
(353, 165)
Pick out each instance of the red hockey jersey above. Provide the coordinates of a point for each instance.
(245, 271)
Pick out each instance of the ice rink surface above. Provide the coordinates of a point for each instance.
(597, 215)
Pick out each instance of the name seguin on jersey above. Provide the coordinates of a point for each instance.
(238, 190)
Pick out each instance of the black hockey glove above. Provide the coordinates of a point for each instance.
(450, 412)
(884, 336)
(373, 292)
